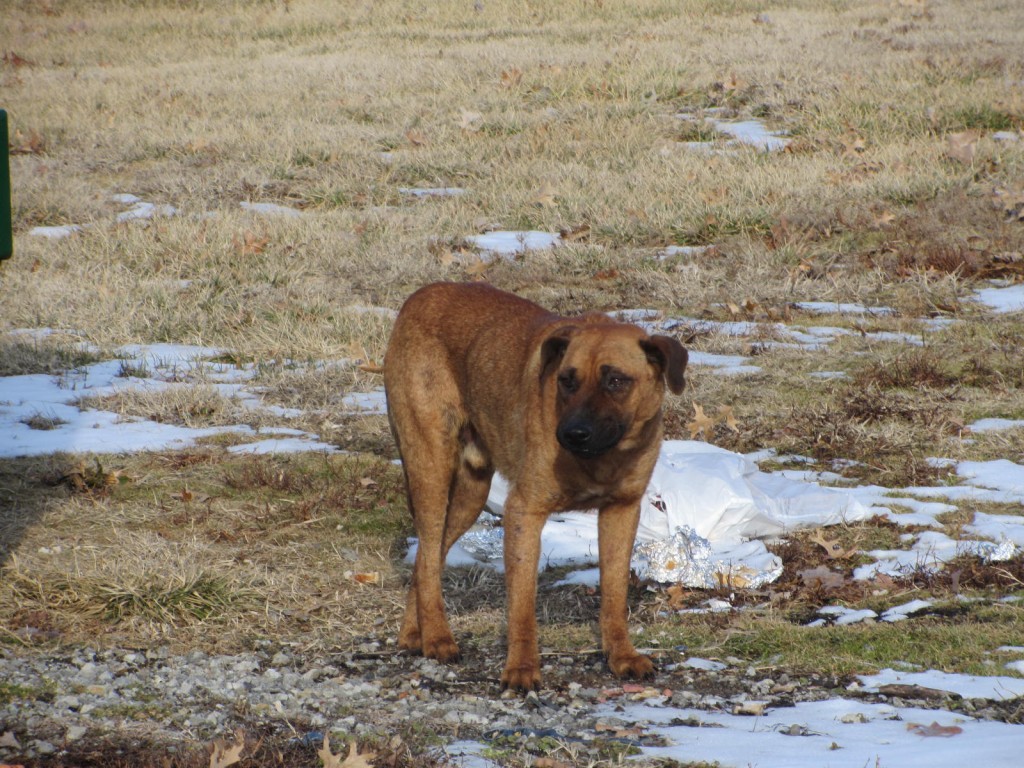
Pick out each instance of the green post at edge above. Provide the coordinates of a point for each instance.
(6, 235)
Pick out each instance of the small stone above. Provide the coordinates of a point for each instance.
(43, 747)
(854, 717)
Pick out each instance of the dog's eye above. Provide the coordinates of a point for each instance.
(568, 381)
(617, 383)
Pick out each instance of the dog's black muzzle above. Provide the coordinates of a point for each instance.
(587, 437)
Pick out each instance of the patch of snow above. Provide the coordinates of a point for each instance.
(283, 445)
(143, 211)
(829, 375)
(125, 198)
(707, 665)
(839, 308)
(843, 616)
(999, 475)
(422, 192)
(838, 733)
(1007, 136)
(271, 209)
(157, 367)
(468, 754)
(366, 402)
(688, 251)
(998, 528)
(995, 425)
(56, 233)
(507, 244)
(967, 686)
(938, 323)
(929, 552)
(752, 133)
(1008, 299)
(726, 365)
(635, 316)
(905, 611)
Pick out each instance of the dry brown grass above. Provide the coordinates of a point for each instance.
(554, 116)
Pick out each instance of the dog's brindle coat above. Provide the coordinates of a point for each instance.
(567, 409)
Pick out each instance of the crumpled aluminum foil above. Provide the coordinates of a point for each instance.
(682, 558)
(486, 544)
(687, 558)
(989, 551)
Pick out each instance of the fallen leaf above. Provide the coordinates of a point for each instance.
(904, 691)
(822, 577)
(511, 77)
(733, 83)
(445, 256)
(677, 595)
(572, 234)
(352, 760)
(546, 197)
(14, 60)
(833, 549)
(33, 144)
(549, 762)
(883, 581)
(944, 731)
(883, 219)
(617, 731)
(715, 196)
(250, 243)
(755, 708)
(224, 754)
(416, 138)
(477, 268)
(726, 416)
(371, 367)
(370, 577)
(702, 423)
(961, 146)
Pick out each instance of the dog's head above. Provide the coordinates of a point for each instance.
(609, 381)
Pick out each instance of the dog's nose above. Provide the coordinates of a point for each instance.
(577, 436)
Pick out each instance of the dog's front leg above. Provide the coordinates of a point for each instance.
(616, 530)
(522, 552)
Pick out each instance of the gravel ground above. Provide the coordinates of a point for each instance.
(113, 707)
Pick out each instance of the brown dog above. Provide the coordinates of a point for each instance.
(567, 409)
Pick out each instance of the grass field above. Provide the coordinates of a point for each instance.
(902, 186)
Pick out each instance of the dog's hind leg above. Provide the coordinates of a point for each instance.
(425, 626)
(430, 472)
(470, 486)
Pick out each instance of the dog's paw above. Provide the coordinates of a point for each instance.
(410, 640)
(521, 678)
(441, 648)
(634, 665)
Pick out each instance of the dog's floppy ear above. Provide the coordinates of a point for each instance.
(670, 357)
(553, 347)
